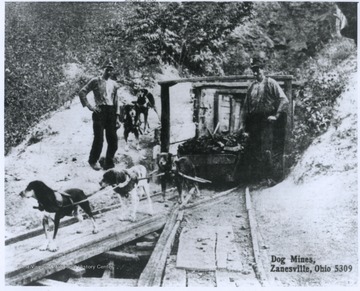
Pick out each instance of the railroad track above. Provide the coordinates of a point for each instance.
(225, 253)
(146, 253)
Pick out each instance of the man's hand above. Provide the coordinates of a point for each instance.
(272, 118)
(118, 124)
(94, 109)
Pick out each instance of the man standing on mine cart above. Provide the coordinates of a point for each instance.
(264, 116)
(105, 115)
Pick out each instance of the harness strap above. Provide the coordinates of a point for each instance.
(126, 182)
(59, 199)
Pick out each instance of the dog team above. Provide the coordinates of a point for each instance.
(130, 184)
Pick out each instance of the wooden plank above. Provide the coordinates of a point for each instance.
(220, 79)
(173, 277)
(109, 270)
(150, 237)
(201, 279)
(131, 250)
(227, 254)
(52, 283)
(226, 279)
(124, 256)
(253, 231)
(68, 238)
(100, 282)
(206, 202)
(69, 221)
(145, 245)
(223, 279)
(40, 264)
(159, 271)
(165, 118)
(197, 250)
(216, 109)
(76, 271)
(155, 266)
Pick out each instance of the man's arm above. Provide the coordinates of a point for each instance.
(83, 93)
(280, 97)
(117, 104)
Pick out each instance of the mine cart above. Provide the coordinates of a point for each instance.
(217, 149)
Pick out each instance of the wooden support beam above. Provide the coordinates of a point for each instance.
(76, 271)
(109, 270)
(221, 79)
(253, 231)
(173, 277)
(153, 272)
(145, 245)
(37, 268)
(124, 256)
(150, 237)
(165, 118)
(160, 268)
(186, 200)
(72, 220)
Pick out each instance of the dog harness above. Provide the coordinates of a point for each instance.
(129, 184)
(59, 198)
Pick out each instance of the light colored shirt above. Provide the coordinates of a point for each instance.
(105, 92)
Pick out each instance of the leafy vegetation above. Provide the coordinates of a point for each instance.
(199, 38)
(323, 80)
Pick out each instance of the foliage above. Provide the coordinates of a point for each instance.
(175, 33)
(40, 38)
(324, 79)
(198, 38)
(284, 33)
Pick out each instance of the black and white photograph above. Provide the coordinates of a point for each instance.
(180, 144)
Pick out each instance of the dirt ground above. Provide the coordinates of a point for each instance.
(313, 213)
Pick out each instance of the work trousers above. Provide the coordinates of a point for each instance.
(105, 120)
(260, 146)
(265, 146)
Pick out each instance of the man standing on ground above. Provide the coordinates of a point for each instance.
(265, 108)
(105, 115)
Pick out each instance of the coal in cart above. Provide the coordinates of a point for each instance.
(217, 150)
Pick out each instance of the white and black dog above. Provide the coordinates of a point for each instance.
(131, 182)
(59, 205)
(145, 101)
(173, 167)
(131, 124)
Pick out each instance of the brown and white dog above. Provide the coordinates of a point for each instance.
(173, 167)
(131, 182)
(59, 205)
